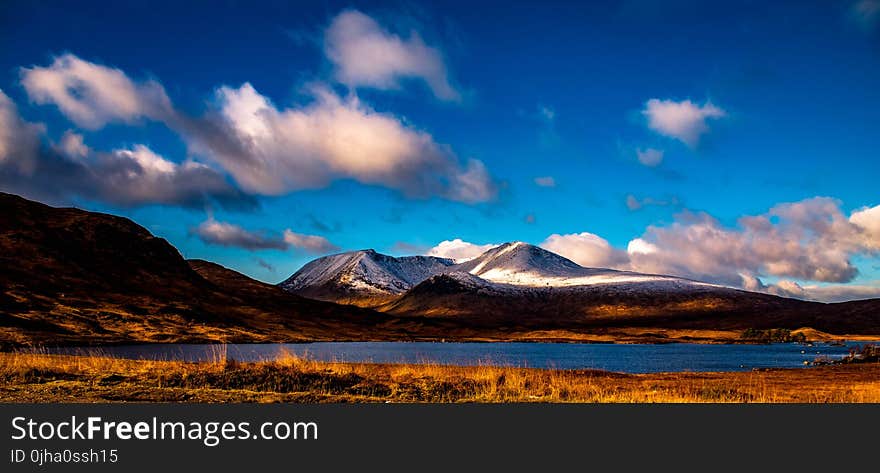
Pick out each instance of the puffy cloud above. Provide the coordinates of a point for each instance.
(310, 243)
(586, 249)
(272, 151)
(684, 121)
(458, 250)
(650, 157)
(639, 246)
(73, 146)
(365, 54)
(92, 95)
(868, 220)
(545, 181)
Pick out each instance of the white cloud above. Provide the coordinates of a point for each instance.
(586, 249)
(150, 163)
(366, 54)
(92, 95)
(268, 150)
(73, 146)
(639, 246)
(650, 157)
(458, 250)
(684, 121)
(272, 151)
(868, 219)
(310, 243)
(545, 181)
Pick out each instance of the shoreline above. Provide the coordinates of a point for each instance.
(623, 336)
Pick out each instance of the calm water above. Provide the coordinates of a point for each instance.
(623, 358)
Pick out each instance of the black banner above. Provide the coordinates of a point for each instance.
(394, 437)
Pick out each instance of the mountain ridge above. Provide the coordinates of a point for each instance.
(370, 279)
(517, 284)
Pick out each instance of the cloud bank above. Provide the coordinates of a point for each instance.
(811, 240)
(269, 150)
(123, 177)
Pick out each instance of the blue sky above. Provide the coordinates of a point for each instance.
(755, 104)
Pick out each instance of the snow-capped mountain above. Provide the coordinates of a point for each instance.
(369, 278)
(362, 277)
(519, 285)
(521, 264)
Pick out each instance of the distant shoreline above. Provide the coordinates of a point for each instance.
(608, 336)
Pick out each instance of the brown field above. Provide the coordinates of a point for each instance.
(29, 377)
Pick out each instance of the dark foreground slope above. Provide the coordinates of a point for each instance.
(69, 276)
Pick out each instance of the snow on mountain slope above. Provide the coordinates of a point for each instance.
(366, 270)
(521, 264)
(512, 265)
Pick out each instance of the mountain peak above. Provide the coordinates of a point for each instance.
(521, 257)
(367, 272)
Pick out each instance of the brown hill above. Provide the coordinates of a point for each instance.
(68, 276)
(622, 305)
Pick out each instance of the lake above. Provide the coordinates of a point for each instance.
(636, 358)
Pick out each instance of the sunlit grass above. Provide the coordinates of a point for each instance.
(92, 375)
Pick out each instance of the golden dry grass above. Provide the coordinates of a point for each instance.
(93, 377)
